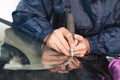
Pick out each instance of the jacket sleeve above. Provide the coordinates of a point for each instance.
(108, 41)
(30, 17)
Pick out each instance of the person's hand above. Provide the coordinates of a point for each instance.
(54, 60)
(60, 40)
(74, 64)
(51, 58)
(82, 46)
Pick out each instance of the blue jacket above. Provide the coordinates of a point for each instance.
(96, 20)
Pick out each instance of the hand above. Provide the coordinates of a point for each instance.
(60, 40)
(82, 46)
(74, 64)
(52, 58)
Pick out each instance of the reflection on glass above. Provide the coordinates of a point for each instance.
(22, 52)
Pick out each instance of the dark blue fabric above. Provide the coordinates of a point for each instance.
(98, 21)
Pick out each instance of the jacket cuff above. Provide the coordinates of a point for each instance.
(44, 33)
(92, 44)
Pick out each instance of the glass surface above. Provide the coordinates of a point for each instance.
(21, 52)
(22, 59)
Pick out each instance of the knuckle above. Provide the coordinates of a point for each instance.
(55, 31)
(62, 28)
(69, 35)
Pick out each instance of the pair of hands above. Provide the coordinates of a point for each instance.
(62, 40)
(59, 43)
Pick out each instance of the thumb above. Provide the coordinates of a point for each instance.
(79, 37)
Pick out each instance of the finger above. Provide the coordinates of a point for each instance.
(55, 69)
(63, 42)
(58, 42)
(80, 46)
(55, 45)
(60, 69)
(63, 69)
(62, 48)
(55, 58)
(51, 41)
(69, 36)
(53, 62)
(53, 55)
(77, 62)
(74, 64)
(81, 51)
(80, 54)
(52, 58)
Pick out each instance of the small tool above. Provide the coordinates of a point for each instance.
(71, 28)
